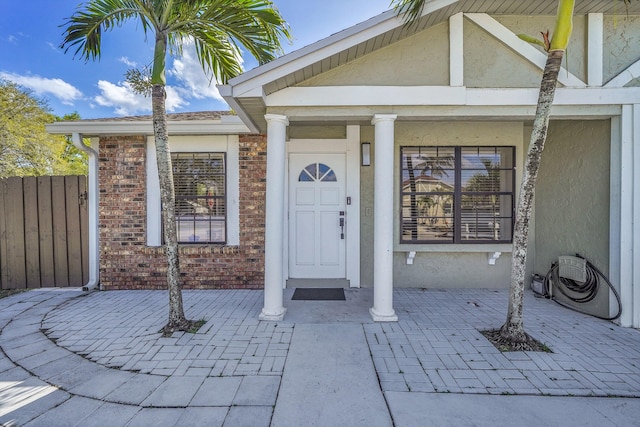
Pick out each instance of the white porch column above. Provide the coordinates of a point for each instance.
(636, 215)
(625, 212)
(273, 309)
(382, 310)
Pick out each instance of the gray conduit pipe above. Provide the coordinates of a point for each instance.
(92, 203)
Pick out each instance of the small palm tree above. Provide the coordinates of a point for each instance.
(513, 329)
(217, 28)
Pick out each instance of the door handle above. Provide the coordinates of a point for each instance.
(342, 228)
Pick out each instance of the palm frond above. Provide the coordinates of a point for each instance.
(84, 28)
(221, 27)
(409, 10)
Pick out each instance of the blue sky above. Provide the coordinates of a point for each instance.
(31, 32)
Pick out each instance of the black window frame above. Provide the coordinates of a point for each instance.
(199, 199)
(457, 196)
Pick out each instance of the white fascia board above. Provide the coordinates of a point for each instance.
(367, 95)
(451, 112)
(632, 72)
(230, 125)
(522, 48)
(226, 91)
(360, 96)
(230, 92)
(563, 96)
(322, 49)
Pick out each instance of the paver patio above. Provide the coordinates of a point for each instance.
(95, 351)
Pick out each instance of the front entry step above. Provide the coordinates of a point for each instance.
(317, 283)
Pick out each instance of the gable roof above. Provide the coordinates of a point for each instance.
(245, 93)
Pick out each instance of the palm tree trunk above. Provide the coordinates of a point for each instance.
(177, 320)
(513, 329)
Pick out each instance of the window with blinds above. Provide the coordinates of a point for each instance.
(200, 187)
(457, 194)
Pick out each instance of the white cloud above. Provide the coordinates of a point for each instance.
(129, 63)
(62, 90)
(187, 81)
(191, 79)
(174, 100)
(122, 98)
(126, 102)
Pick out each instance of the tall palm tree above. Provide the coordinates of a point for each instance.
(513, 329)
(217, 28)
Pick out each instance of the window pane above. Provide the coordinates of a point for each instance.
(329, 177)
(312, 170)
(200, 186)
(428, 177)
(432, 199)
(305, 177)
(486, 218)
(485, 210)
(317, 172)
(322, 169)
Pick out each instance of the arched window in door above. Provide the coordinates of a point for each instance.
(317, 172)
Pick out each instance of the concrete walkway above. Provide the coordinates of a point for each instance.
(325, 376)
(69, 358)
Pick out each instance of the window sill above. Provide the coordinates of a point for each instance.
(466, 248)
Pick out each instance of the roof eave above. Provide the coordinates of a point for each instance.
(226, 91)
(229, 125)
(249, 83)
(329, 45)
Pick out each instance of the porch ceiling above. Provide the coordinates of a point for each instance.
(380, 31)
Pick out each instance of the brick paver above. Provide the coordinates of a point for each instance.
(106, 348)
(120, 329)
(440, 331)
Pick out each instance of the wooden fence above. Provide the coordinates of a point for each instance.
(43, 232)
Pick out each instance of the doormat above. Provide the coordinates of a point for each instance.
(318, 294)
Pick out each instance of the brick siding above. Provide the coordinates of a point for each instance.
(126, 262)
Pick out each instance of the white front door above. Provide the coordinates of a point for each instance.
(317, 221)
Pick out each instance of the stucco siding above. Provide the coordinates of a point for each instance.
(621, 43)
(449, 270)
(317, 132)
(366, 212)
(489, 63)
(572, 197)
(422, 59)
(575, 58)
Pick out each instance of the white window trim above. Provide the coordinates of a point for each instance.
(228, 144)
